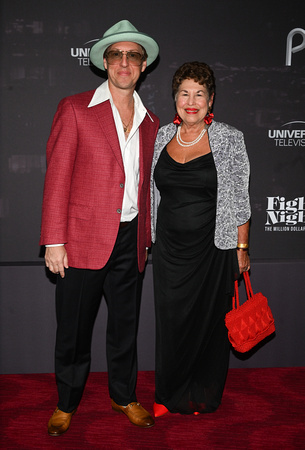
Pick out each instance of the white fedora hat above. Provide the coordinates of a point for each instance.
(123, 31)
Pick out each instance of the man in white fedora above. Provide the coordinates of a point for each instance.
(96, 222)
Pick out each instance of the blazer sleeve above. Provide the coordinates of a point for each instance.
(148, 203)
(61, 153)
(240, 174)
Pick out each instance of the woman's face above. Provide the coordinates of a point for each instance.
(192, 102)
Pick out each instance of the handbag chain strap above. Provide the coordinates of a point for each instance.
(235, 299)
(248, 284)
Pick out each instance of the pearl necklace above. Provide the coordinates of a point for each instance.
(189, 144)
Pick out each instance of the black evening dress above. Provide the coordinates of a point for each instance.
(193, 284)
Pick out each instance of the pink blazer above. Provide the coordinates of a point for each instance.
(84, 183)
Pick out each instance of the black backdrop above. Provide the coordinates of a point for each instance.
(260, 90)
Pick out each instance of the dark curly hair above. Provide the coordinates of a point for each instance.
(200, 72)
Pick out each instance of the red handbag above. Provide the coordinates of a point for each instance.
(251, 322)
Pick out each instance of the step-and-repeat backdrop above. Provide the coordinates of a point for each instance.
(257, 51)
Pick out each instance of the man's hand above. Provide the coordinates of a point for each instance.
(56, 259)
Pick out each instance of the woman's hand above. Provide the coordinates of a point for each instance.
(243, 260)
(242, 253)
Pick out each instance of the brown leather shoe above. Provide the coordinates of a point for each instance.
(59, 422)
(135, 413)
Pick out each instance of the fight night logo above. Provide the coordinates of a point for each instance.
(285, 215)
(81, 54)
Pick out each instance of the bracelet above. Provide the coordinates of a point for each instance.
(242, 245)
(242, 249)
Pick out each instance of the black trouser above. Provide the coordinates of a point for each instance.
(78, 298)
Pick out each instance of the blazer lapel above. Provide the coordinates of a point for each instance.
(146, 136)
(105, 119)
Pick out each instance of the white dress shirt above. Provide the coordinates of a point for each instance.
(129, 148)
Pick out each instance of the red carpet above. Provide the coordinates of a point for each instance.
(261, 409)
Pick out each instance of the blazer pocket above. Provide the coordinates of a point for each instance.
(78, 211)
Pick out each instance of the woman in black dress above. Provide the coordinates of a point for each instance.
(200, 227)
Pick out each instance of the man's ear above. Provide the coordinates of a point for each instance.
(144, 65)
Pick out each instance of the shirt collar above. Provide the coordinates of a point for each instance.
(102, 94)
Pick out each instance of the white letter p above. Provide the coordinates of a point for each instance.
(298, 48)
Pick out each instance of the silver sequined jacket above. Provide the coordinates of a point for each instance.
(232, 166)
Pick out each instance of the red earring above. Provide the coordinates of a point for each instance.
(208, 118)
(177, 119)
